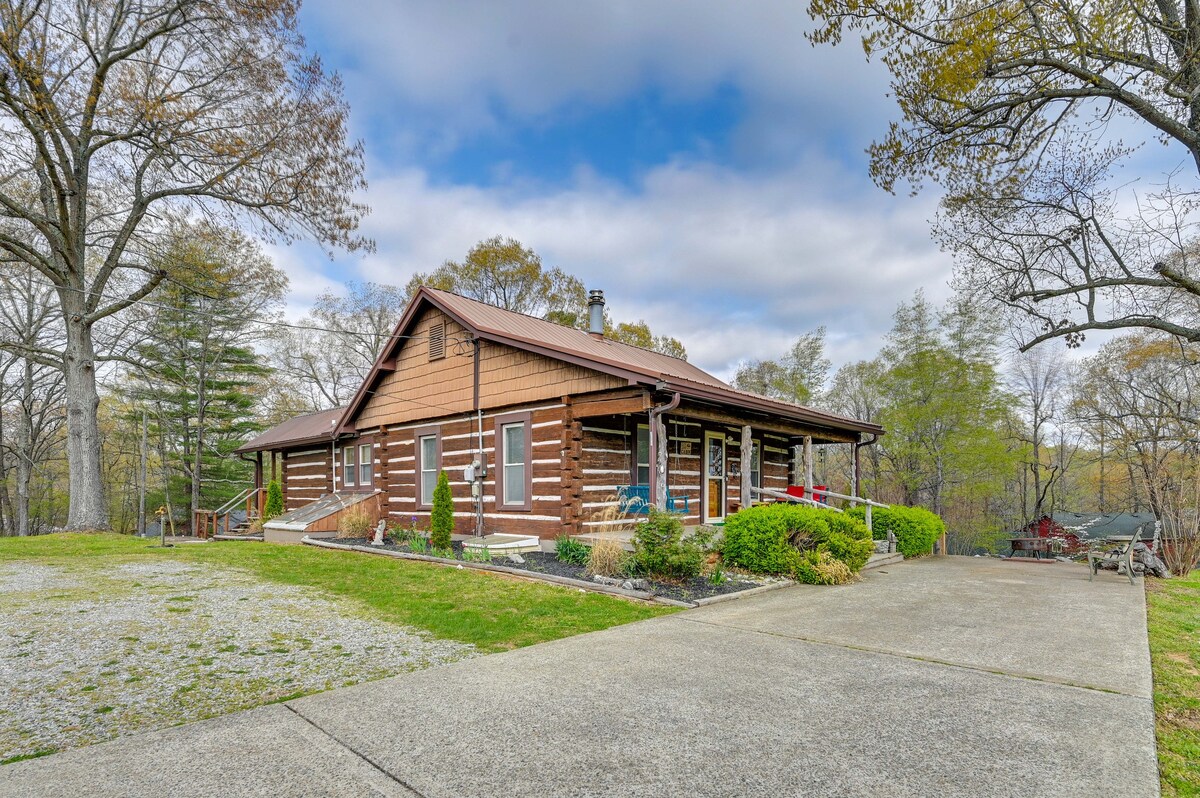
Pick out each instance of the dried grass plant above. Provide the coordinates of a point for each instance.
(355, 523)
(607, 558)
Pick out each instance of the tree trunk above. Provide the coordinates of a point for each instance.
(24, 449)
(87, 509)
(198, 461)
(6, 521)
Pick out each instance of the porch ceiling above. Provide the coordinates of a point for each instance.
(740, 417)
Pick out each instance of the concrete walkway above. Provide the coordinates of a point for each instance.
(948, 677)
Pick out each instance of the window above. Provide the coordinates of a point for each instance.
(756, 464)
(641, 468)
(366, 462)
(427, 468)
(349, 467)
(514, 464)
(514, 453)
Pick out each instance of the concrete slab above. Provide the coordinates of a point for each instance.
(668, 707)
(501, 543)
(1041, 621)
(901, 685)
(268, 751)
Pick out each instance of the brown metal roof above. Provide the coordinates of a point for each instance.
(491, 321)
(678, 375)
(311, 428)
(639, 366)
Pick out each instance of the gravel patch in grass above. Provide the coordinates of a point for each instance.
(91, 653)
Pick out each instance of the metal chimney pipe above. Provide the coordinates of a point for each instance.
(596, 312)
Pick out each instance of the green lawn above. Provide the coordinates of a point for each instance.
(1174, 623)
(492, 612)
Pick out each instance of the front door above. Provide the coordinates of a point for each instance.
(714, 476)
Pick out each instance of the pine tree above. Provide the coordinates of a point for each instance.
(198, 373)
(442, 518)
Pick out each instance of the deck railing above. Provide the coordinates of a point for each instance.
(788, 497)
(209, 523)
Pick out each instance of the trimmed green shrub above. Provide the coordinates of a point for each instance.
(274, 505)
(570, 550)
(441, 522)
(916, 529)
(777, 539)
(660, 550)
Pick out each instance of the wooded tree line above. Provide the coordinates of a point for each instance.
(993, 439)
(208, 362)
(144, 147)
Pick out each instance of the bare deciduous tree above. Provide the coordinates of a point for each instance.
(35, 391)
(328, 354)
(118, 117)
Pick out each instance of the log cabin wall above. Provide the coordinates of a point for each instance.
(307, 475)
(607, 464)
(458, 439)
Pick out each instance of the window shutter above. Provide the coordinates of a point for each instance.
(437, 340)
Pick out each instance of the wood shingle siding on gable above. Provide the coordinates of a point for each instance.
(421, 388)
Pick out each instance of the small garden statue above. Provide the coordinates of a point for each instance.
(377, 538)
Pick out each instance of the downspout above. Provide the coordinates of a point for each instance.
(477, 485)
(655, 415)
(858, 462)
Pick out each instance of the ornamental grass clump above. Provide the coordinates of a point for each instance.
(607, 558)
(569, 550)
(355, 522)
(441, 522)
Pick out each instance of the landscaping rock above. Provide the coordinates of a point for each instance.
(516, 559)
(606, 580)
(635, 584)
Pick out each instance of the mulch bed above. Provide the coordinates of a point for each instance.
(544, 562)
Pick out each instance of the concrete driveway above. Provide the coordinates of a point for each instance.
(952, 676)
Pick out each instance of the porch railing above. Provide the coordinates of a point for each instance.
(209, 523)
(789, 497)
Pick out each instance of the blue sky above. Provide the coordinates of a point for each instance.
(700, 162)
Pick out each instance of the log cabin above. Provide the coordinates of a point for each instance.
(542, 430)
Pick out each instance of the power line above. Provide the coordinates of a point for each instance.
(212, 316)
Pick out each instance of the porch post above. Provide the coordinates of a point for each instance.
(808, 467)
(747, 499)
(659, 497)
(258, 482)
(854, 467)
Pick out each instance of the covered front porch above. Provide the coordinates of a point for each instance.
(700, 460)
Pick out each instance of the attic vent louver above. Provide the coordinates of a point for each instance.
(437, 340)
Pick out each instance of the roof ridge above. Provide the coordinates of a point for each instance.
(563, 326)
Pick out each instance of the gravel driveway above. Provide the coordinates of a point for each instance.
(89, 654)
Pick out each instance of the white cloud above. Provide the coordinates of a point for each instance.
(734, 265)
(465, 65)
